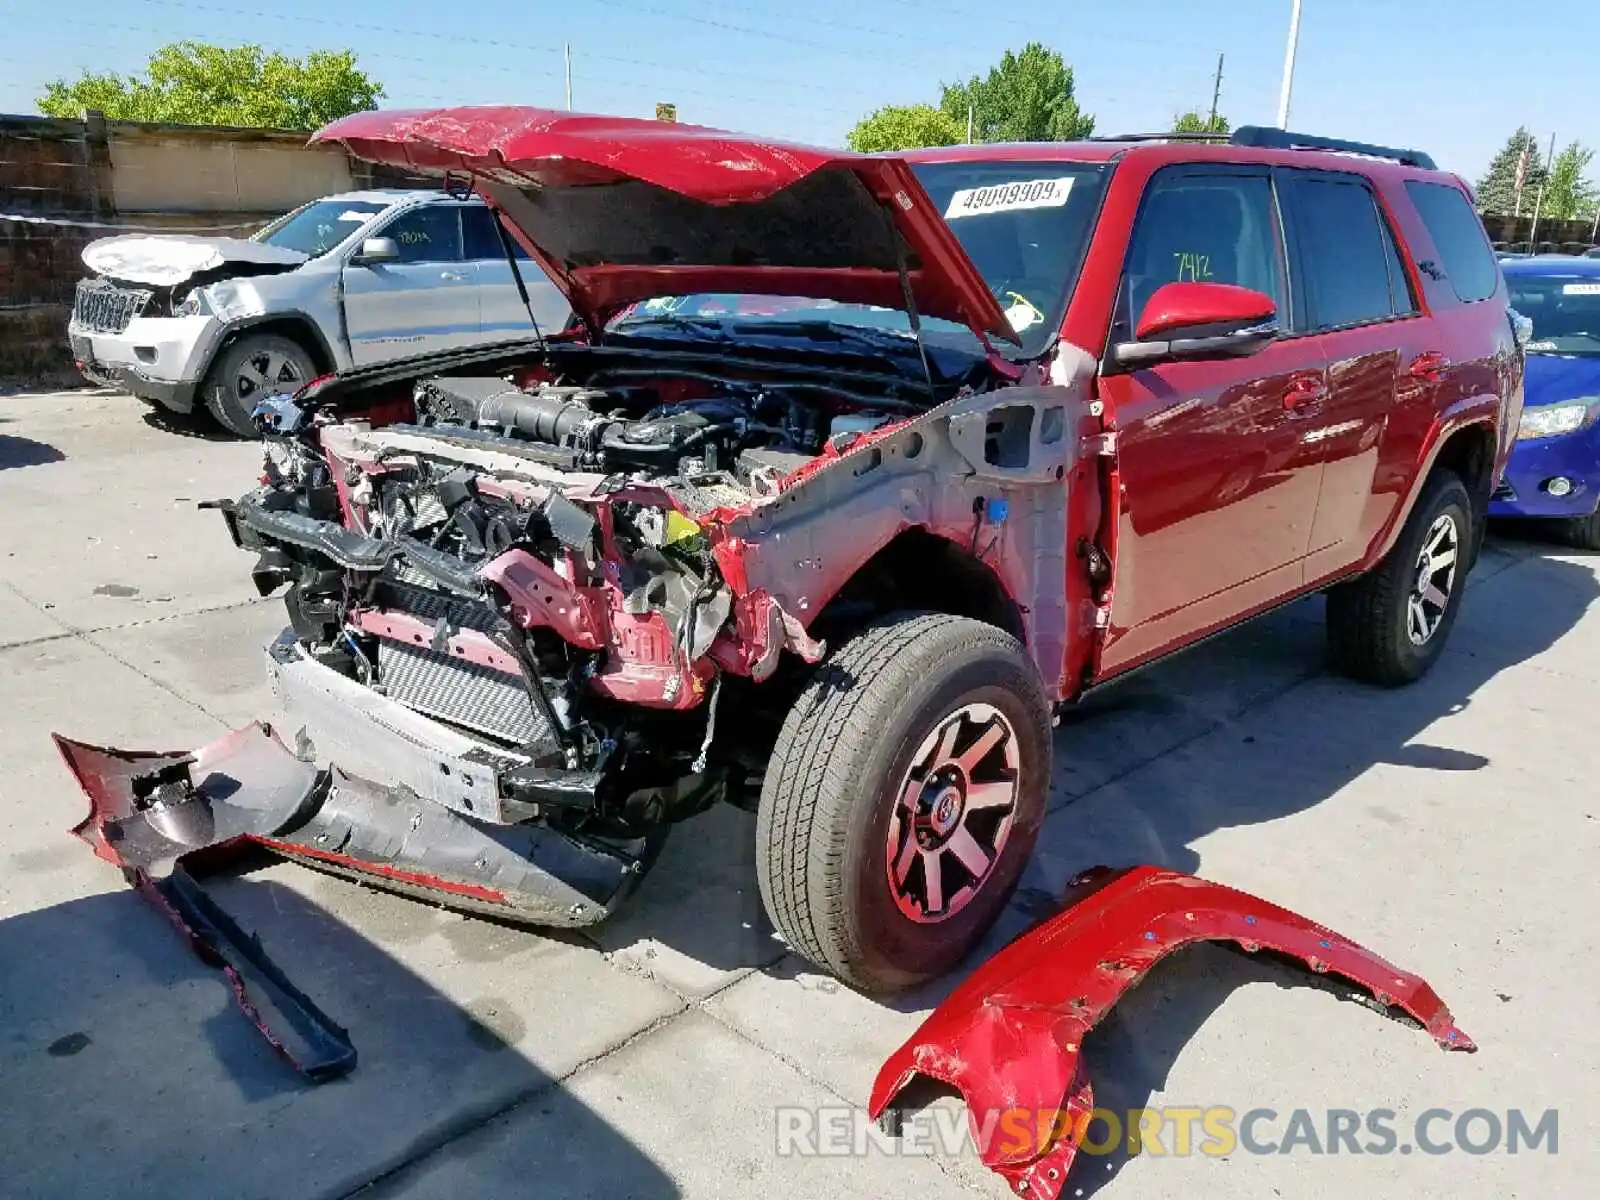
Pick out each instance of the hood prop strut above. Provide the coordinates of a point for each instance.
(516, 271)
(910, 299)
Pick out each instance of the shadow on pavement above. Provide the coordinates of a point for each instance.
(197, 424)
(1273, 733)
(25, 452)
(104, 1019)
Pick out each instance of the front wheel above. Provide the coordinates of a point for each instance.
(1584, 532)
(1390, 625)
(249, 371)
(903, 799)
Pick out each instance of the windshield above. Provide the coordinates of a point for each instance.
(319, 226)
(1025, 225)
(1565, 311)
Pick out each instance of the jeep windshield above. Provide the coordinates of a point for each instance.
(318, 227)
(1565, 311)
(1024, 224)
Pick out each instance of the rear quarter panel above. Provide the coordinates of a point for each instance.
(1483, 386)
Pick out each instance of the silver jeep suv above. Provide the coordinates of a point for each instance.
(345, 281)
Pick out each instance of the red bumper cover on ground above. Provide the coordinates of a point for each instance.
(1010, 1037)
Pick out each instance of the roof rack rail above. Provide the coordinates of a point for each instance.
(1158, 137)
(1270, 138)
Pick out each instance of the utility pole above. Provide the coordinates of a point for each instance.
(1216, 97)
(1533, 233)
(1523, 161)
(568, 53)
(1288, 67)
(969, 122)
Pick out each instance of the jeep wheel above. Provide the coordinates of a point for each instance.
(903, 799)
(1390, 625)
(247, 372)
(1584, 532)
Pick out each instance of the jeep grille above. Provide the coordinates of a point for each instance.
(103, 307)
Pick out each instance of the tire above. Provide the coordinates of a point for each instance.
(889, 705)
(1373, 620)
(1584, 532)
(248, 371)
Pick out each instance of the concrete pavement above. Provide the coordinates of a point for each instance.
(1450, 826)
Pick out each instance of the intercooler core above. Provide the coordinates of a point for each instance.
(445, 686)
(466, 694)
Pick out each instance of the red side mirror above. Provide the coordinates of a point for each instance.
(1184, 306)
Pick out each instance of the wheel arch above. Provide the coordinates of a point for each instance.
(1469, 451)
(918, 569)
(295, 326)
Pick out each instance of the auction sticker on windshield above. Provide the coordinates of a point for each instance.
(1008, 197)
(1581, 289)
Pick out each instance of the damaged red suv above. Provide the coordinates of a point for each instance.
(851, 471)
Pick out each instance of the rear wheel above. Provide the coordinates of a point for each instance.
(1390, 625)
(903, 799)
(249, 371)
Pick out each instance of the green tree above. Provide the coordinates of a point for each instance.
(903, 127)
(191, 83)
(1567, 193)
(1497, 190)
(1193, 122)
(1027, 97)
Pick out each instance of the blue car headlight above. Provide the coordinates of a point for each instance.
(1553, 420)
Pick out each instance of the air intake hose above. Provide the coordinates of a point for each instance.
(544, 416)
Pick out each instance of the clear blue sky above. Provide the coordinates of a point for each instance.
(1454, 77)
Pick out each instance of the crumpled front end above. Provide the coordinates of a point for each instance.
(575, 585)
(1010, 1038)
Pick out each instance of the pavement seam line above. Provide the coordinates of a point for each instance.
(469, 1123)
(49, 637)
(47, 608)
(248, 602)
(149, 678)
(824, 1086)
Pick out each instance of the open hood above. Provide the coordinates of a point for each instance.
(166, 260)
(618, 210)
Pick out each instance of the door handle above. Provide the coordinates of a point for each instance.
(1304, 390)
(458, 275)
(1428, 367)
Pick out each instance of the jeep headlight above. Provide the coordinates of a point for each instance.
(1553, 420)
(191, 305)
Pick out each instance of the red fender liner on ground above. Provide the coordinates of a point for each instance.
(1009, 1037)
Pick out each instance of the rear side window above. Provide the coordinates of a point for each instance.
(1458, 236)
(483, 240)
(1349, 262)
(1206, 228)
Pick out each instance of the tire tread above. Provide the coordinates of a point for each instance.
(802, 862)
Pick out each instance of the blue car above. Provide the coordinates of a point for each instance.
(1555, 468)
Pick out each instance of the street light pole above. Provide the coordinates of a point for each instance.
(1288, 67)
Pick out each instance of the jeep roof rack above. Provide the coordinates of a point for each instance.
(1196, 136)
(1271, 138)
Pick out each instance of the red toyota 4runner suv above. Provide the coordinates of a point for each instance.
(850, 471)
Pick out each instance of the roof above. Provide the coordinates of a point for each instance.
(1161, 152)
(390, 195)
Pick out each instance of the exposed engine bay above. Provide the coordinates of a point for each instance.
(527, 566)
